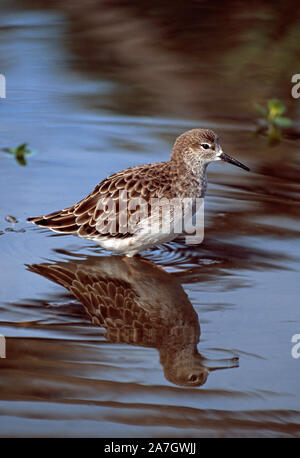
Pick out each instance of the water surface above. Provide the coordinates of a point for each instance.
(91, 98)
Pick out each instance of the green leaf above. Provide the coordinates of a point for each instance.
(19, 149)
(21, 160)
(276, 108)
(282, 121)
(22, 147)
(19, 153)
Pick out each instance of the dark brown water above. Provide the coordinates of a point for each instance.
(98, 89)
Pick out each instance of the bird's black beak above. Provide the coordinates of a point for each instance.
(229, 159)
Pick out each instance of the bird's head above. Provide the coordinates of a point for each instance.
(198, 147)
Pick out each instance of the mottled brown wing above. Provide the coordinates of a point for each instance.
(105, 211)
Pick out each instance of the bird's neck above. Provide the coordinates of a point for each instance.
(189, 180)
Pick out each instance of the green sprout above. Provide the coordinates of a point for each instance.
(273, 121)
(20, 153)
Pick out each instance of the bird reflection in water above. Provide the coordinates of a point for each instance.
(138, 303)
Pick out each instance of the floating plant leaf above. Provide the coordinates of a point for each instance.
(273, 120)
(19, 153)
(20, 157)
(276, 108)
(282, 121)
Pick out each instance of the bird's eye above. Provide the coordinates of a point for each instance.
(205, 145)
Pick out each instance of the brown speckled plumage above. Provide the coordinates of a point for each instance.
(184, 175)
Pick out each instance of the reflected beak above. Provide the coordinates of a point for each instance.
(229, 159)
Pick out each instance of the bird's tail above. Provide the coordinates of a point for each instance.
(63, 221)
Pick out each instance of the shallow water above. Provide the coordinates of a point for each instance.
(91, 103)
